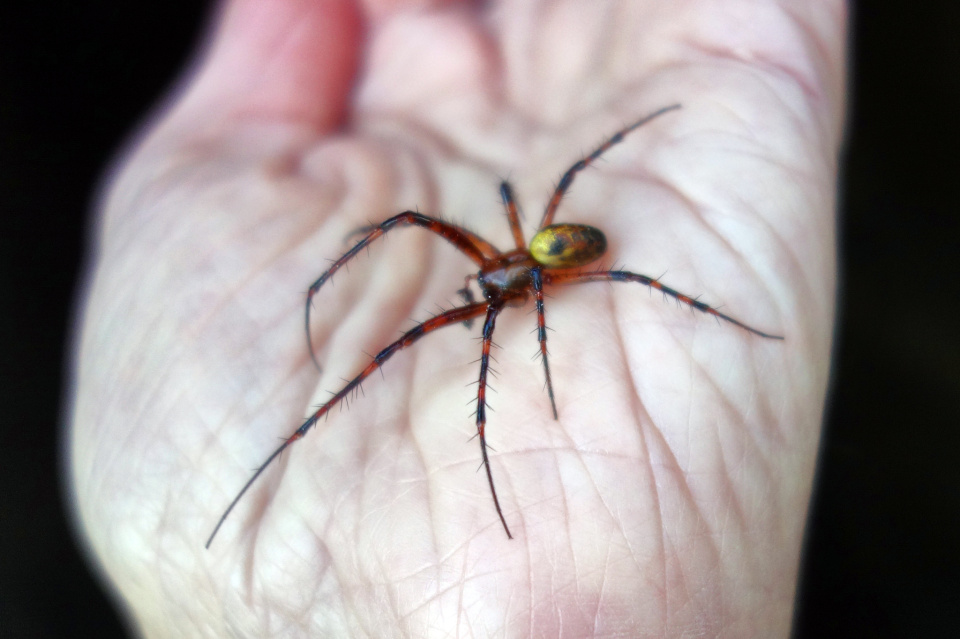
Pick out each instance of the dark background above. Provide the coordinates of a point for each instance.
(883, 551)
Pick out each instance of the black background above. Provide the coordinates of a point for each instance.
(883, 551)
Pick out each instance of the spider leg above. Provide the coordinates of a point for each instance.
(446, 318)
(542, 333)
(567, 178)
(470, 244)
(626, 276)
(488, 324)
(513, 215)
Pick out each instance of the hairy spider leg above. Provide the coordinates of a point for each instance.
(627, 276)
(506, 192)
(542, 333)
(452, 316)
(470, 244)
(488, 325)
(513, 216)
(567, 178)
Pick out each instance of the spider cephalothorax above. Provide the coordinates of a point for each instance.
(554, 257)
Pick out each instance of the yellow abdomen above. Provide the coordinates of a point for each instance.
(567, 245)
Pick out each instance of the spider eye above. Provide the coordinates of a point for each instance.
(567, 245)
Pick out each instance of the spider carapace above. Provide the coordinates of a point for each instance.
(507, 278)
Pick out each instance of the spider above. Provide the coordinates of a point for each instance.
(555, 257)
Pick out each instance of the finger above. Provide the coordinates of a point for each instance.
(285, 60)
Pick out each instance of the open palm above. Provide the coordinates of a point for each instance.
(669, 497)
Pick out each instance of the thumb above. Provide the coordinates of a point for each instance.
(286, 60)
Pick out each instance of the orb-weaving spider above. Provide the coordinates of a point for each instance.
(555, 256)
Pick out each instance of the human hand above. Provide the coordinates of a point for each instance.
(669, 497)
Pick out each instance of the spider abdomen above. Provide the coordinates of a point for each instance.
(567, 245)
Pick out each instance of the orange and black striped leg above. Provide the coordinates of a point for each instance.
(626, 276)
(513, 214)
(488, 324)
(567, 178)
(471, 245)
(446, 318)
(542, 333)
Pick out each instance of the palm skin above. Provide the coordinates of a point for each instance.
(668, 499)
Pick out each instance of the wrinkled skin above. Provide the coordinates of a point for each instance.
(670, 497)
